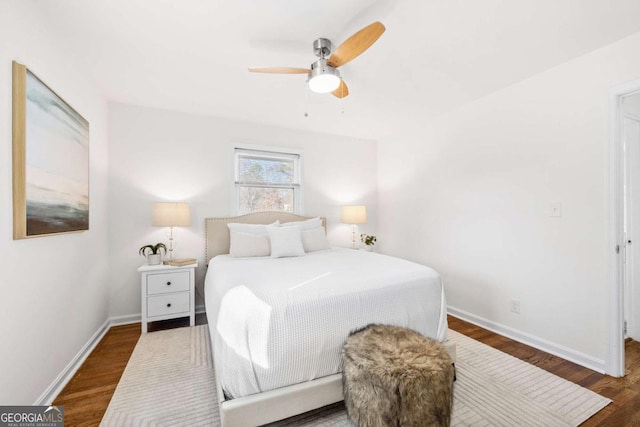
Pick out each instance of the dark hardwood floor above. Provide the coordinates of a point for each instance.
(87, 395)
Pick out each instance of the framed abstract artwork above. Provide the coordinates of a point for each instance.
(50, 161)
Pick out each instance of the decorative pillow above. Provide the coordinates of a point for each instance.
(248, 245)
(315, 240)
(285, 242)
(259, 229)
(304, 225)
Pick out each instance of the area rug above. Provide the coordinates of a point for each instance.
(169, 380)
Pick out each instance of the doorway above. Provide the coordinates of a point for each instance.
(623, 222)
(630, 133)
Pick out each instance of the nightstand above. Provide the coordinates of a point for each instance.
(167, 293)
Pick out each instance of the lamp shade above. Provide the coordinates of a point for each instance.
(167, 214)
(354, 214)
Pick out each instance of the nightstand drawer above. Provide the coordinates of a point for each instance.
(162, 283)
(168, 304)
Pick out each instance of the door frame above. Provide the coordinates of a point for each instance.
(614, 191)
(632, 181)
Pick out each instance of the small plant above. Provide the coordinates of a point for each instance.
(367, 239)
(152, 249)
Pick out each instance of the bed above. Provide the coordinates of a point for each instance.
(277, 325)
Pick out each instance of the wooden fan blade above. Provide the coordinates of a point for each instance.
(356, 44)
(342, 90)
(279, 70)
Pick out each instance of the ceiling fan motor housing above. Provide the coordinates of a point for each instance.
(321, 67)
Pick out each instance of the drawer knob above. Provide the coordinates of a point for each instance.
(168, 283)
(169, 305)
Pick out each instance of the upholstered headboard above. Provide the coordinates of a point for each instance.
(217, 232)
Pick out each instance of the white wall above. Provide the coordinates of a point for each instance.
(469, 194)
(157, 155)
(54, 291)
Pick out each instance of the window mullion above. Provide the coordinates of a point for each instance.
(266, 185)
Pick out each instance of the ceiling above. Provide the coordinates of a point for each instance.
(436, 55)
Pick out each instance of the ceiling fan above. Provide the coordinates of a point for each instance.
(323, 74)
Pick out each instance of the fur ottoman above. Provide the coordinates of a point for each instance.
(394, 376)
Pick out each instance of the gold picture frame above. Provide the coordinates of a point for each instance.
(50, 161)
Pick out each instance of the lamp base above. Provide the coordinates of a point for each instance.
(171, 243)
(353, 236)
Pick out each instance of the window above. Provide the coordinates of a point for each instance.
(267, 181)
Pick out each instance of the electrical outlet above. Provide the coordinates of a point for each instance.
(515, 306)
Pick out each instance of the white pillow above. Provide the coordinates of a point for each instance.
(259, 229)
(304, 225)
(285, 242)
(248, 245)
(315, 240)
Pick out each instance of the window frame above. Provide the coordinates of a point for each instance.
(273, 153)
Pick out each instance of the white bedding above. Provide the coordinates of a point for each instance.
(278, 322)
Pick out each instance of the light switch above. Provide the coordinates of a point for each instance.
(555, 209)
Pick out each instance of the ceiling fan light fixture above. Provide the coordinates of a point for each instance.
(324, 83)
(323, 78)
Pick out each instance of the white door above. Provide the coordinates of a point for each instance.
(631, 138)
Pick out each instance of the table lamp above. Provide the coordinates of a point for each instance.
(167, 214)
(354, 215)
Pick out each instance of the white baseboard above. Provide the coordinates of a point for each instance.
(69, 371)
(125, 320)
(566, 353)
